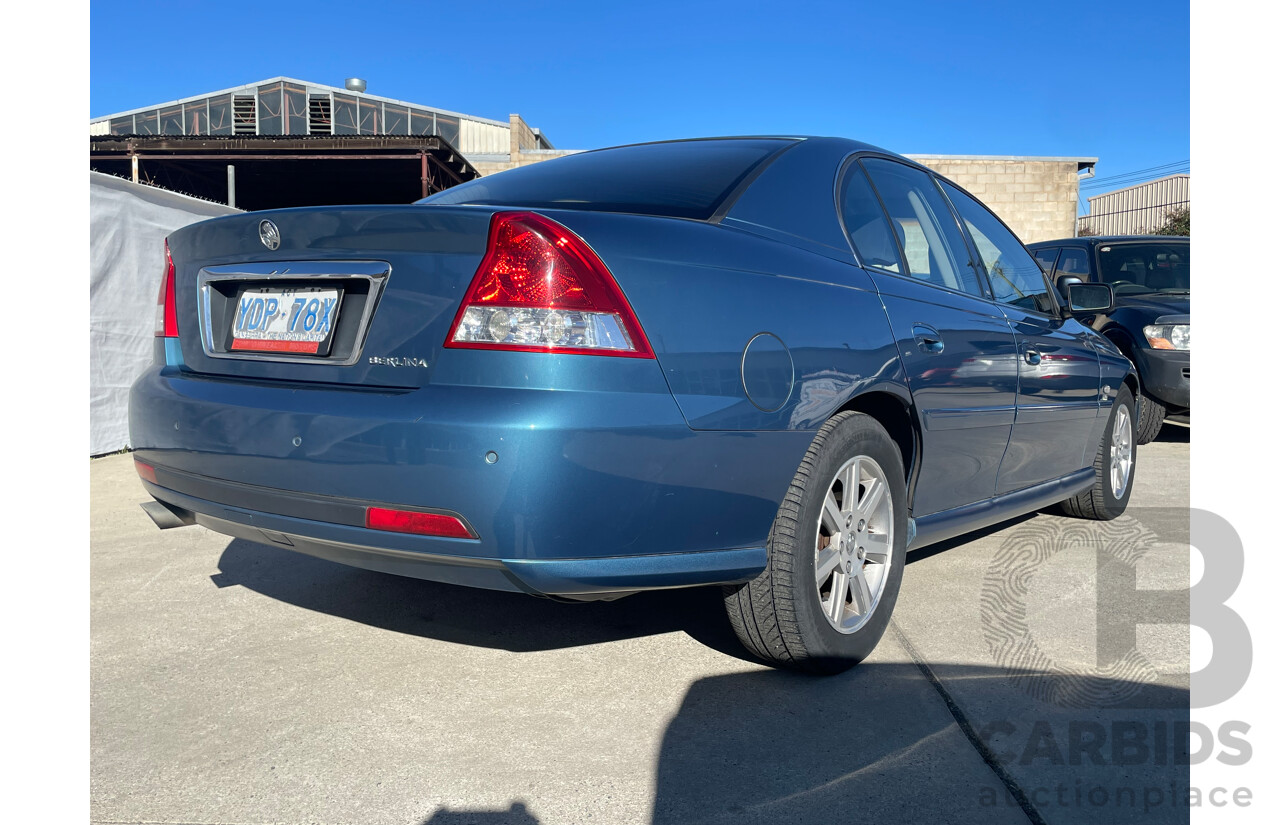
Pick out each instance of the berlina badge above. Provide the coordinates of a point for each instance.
(269, 234)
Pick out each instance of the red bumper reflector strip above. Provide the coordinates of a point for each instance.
(309, 347)
(408, 521)
(145, 471)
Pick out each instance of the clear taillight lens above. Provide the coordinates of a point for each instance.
(540, 288)
(166, 303)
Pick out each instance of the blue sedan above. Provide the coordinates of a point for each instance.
(769, 364)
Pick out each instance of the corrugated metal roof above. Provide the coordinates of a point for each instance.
(1141, 185)
(253, 87)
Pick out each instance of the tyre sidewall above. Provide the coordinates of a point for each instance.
(1115, 506)
(1151, 420)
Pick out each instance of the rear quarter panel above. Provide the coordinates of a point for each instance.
(703, 292)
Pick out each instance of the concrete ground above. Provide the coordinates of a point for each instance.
(1019, 682)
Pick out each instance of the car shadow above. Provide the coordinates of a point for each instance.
(878, 744)
(516, 814)
(513, 622)
(1173, 434)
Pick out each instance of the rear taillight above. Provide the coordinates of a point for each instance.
(166, 304)
(412, 521)
(540, 288)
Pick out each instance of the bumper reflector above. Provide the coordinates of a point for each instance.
(145, 471)
(409, 521)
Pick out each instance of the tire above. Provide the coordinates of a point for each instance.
(787, 616)
(1101, 501)
(1150, 419)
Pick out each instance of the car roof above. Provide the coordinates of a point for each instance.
(855, 145)
(848, 144)
(1096, 239)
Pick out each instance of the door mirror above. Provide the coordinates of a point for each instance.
(1090, 298)
(1065, 281)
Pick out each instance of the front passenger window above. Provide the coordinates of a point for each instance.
(1014, 275)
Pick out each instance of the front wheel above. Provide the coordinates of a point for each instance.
(836, 553)
(1151, 419)
(1113, 467)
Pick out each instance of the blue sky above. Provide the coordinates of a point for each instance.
(1107, 80)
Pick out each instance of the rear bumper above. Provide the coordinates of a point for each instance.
(591, 494)
(424, 557)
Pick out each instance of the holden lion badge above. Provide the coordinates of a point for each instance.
(269, 234)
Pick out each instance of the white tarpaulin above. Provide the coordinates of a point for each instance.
(128, 223)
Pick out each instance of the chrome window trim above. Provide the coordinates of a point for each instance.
(375, 272)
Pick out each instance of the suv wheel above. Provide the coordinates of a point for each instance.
(1151, 419)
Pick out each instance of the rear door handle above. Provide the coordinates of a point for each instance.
(928, 339)
(1033, 357)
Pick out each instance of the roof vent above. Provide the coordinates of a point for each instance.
(355, 84)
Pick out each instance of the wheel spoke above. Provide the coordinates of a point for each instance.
(839, 586)
(851, 479)
(832, 518)
(870, 501)
(828, 558)
(861, 593)
(877, 547)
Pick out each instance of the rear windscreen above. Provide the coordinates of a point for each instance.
(685, 179)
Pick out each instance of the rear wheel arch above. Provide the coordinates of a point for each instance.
(899, 420)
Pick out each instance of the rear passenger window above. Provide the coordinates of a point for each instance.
(1046, 257)
(935, 250)
(1074, 262)
(1014, 275)
(866, 224)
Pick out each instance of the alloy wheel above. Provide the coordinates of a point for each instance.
(854, 547)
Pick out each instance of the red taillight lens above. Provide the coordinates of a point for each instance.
(540, 288)
(409, 521)
(145, 471)
(167, 304)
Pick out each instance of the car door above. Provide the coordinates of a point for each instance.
(956, 346)
(1058, 374)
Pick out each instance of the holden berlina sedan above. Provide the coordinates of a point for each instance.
(770, 364)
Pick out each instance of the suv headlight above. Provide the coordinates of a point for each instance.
(1168, 336)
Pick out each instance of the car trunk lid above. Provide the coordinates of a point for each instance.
(359, 295)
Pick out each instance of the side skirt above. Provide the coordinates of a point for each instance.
(959, 520)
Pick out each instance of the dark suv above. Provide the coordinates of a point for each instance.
(1151, 322)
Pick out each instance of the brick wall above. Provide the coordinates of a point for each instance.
(489, 167)
(1035, 196)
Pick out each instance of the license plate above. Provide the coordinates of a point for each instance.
(285, 320)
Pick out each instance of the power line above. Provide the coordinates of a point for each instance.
(1148, 169)
(1120, 183)
(1153, 207)
(1137, 175)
